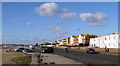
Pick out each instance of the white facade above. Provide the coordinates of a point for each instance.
(72, 40)
(94, 42)
(60, 42)
(64, 41)
(80, 39)
(109, 41)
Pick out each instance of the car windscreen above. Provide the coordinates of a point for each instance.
(45, 48)
(50, 48)
(22, 48)
(27, 49)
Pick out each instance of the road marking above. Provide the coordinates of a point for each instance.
(79, 63)
(106, 61)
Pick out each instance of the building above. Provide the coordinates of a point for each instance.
(85, 39)
(109, 41)
(74, 40)
(94, 42)
(65, 41)
(69, 41)
(59, 41)
(82, 39)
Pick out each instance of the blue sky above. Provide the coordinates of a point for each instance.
(31, 22)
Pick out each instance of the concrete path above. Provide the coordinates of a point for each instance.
(57, 59)
(34, 60)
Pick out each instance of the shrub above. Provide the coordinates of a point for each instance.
(96, 47)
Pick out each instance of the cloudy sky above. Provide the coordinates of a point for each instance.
(44, 21)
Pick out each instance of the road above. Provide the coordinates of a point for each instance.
(87, 58)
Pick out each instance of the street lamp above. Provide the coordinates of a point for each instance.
(83, 43)
(5, 45)
(78, 39)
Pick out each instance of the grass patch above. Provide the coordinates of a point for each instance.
(22, 60)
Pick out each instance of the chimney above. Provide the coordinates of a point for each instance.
(113, 33)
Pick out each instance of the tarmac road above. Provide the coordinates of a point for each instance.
(86, 58)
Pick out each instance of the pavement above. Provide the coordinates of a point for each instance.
(86, 58)
(57, 59)
(50, 58)
(34, 60)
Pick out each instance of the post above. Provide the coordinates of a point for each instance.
(5, 45)
(83, 47)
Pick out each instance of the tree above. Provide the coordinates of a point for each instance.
(36, 44)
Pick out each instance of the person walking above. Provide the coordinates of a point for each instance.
(66, 49)
(105, 49)
(108, 50)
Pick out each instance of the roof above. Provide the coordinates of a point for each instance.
(75, 36)
(88, 35)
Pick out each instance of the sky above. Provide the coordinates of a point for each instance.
(31, 22)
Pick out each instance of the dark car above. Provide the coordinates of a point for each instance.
(91, 51)
(27, 50)
(47, 50)
(20, 50)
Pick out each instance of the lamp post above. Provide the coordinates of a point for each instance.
(84, 42)
(78, 39)
(5, 45)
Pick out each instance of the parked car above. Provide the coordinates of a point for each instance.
(27, 50)
(19, 50)
(91, 51)
(47, 50)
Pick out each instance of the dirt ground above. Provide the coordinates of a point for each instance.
(7, 57)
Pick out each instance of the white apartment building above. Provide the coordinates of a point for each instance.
(80, 39)
(109, 41)
(64, 41)
(60, 42)
(74, 40)
(94, 42)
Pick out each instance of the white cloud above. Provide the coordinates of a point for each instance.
(1, 34)
(25, 38)
(14, 20)
(47, 9)
(63, 32)
(94, 19)
(65, 10)
(53, 28)
(68, 16)
(29, 23)
(6, 35)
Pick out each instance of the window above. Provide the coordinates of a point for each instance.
(114, 37)
(87, 37)
(109, 38)
(105, 38)
(109, 44)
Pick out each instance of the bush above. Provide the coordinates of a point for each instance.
(96, 47)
